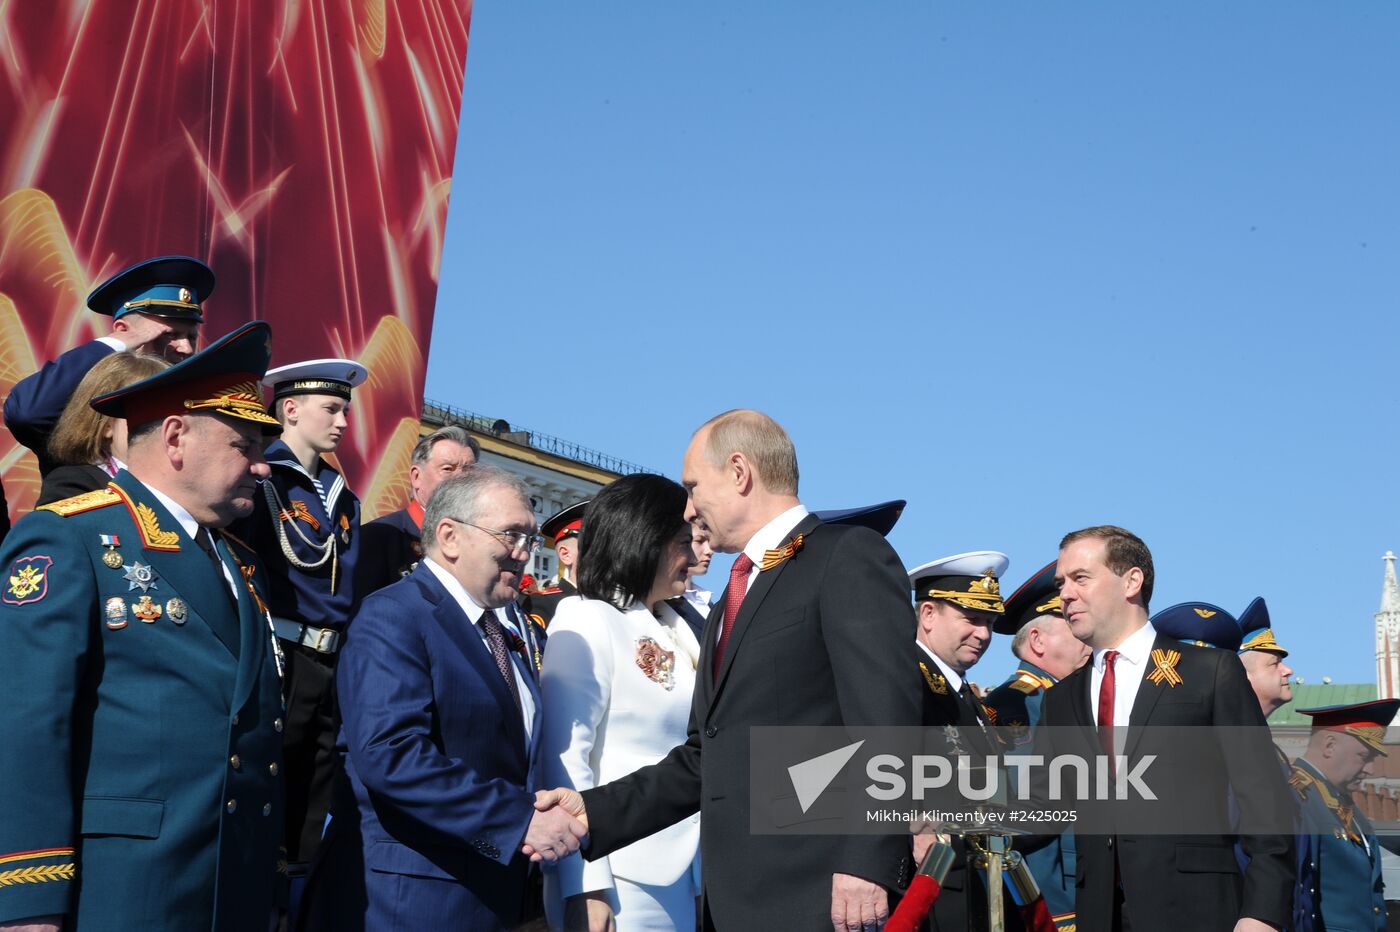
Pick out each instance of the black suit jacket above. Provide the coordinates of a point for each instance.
(822, 639)
(66, 481)
(1175, 882)
(390, 548)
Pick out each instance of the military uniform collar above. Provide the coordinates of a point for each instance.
(279, 455)
(954, 679)
(1046, 680)
(177, 511)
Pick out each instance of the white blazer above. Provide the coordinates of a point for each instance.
(616, 695)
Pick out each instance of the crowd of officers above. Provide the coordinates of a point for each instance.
(170, 623)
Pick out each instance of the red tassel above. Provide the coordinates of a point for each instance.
(1036, 916)
(918, 900)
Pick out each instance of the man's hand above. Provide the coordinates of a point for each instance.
(588, 912)
(553, 834)
(172, 339)
(565, 800)
(139, 333)
(568, 800)
(1253, 925)
(856, 903)
(36, 924)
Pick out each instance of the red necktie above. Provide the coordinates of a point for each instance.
(1106, 707)
(734, 597)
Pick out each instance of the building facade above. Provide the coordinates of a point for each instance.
(558, 472)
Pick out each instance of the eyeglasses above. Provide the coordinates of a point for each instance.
(515, 540)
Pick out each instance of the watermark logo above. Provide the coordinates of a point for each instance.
(811, 777)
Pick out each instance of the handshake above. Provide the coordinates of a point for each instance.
(558, 826)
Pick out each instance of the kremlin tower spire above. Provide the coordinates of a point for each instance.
(1388, 634)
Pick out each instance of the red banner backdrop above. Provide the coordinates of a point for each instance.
(303, 148)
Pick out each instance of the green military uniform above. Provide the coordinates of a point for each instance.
(139, 726)
(139, 712)
(1341, 871)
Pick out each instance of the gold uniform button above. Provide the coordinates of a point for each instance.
(235, 762)
(235, 718)
(272, 768)
(267, 808)
(232, 806)
(277, 724)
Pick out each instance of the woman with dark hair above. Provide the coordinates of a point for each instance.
(86, 449)
(619, 670)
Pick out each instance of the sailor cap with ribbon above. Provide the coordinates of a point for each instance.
(315, 377)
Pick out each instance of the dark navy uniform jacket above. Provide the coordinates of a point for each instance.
(37, 400)
(390, 548)
(292, 513)
(139, 716)
(1016, 704)
(1343, 869)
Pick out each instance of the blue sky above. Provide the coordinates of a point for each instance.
(1029, 266)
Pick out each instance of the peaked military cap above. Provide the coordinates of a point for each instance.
(1365, 721)
(880, 518)
(969, 580)
(169, 286)
(1255, 633)
(1199, 623)
(315, 377)
(566, 523)
(1037, 596)
(220, 379)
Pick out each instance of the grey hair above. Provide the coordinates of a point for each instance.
(460, 497)
(452, 432)
(1018, 643)
(761, 439)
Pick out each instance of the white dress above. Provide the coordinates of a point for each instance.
(616, 697)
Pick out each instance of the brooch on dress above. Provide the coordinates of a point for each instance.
(657, 663)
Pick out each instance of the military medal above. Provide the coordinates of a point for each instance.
(116, 613)
(344, 529)
(954, 739)
(146, 610)
(110, 556)
(140, 575)
(176, 610)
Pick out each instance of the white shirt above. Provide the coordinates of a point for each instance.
(700, 599)
(474, 613)
(191, 527)
(1128, 670)
(769, 537)
(954, 680)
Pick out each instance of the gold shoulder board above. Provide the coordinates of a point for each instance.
(1024, 684)
(80, 503)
